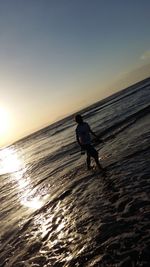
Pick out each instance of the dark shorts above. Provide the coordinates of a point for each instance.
(90, 150)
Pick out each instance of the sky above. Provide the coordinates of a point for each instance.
(58, 56)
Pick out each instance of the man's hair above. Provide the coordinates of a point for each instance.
(78, 118)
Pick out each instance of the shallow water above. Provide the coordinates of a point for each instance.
(55, 213)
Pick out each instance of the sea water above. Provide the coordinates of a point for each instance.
(54, 212)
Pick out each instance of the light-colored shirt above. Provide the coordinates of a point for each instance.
(83, 133)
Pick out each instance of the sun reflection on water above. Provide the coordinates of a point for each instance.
(35, 203)
(11, 163)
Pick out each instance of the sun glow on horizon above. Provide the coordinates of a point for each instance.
(4, 122)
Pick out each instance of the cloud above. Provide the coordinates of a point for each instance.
(146, 55)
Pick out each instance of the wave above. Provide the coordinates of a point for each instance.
(119, 126)
(119, 95)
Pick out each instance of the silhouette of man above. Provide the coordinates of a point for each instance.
(83, 137)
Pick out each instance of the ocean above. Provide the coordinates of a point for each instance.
(54, 212)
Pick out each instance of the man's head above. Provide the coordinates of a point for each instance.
(78, 118)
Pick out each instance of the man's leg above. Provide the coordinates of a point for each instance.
(97, 162)
(88, 161)
(94, 154)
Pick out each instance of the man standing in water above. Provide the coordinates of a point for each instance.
(83, 132)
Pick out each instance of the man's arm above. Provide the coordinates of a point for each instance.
(95, 135)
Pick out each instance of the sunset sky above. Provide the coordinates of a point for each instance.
(58, 56)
